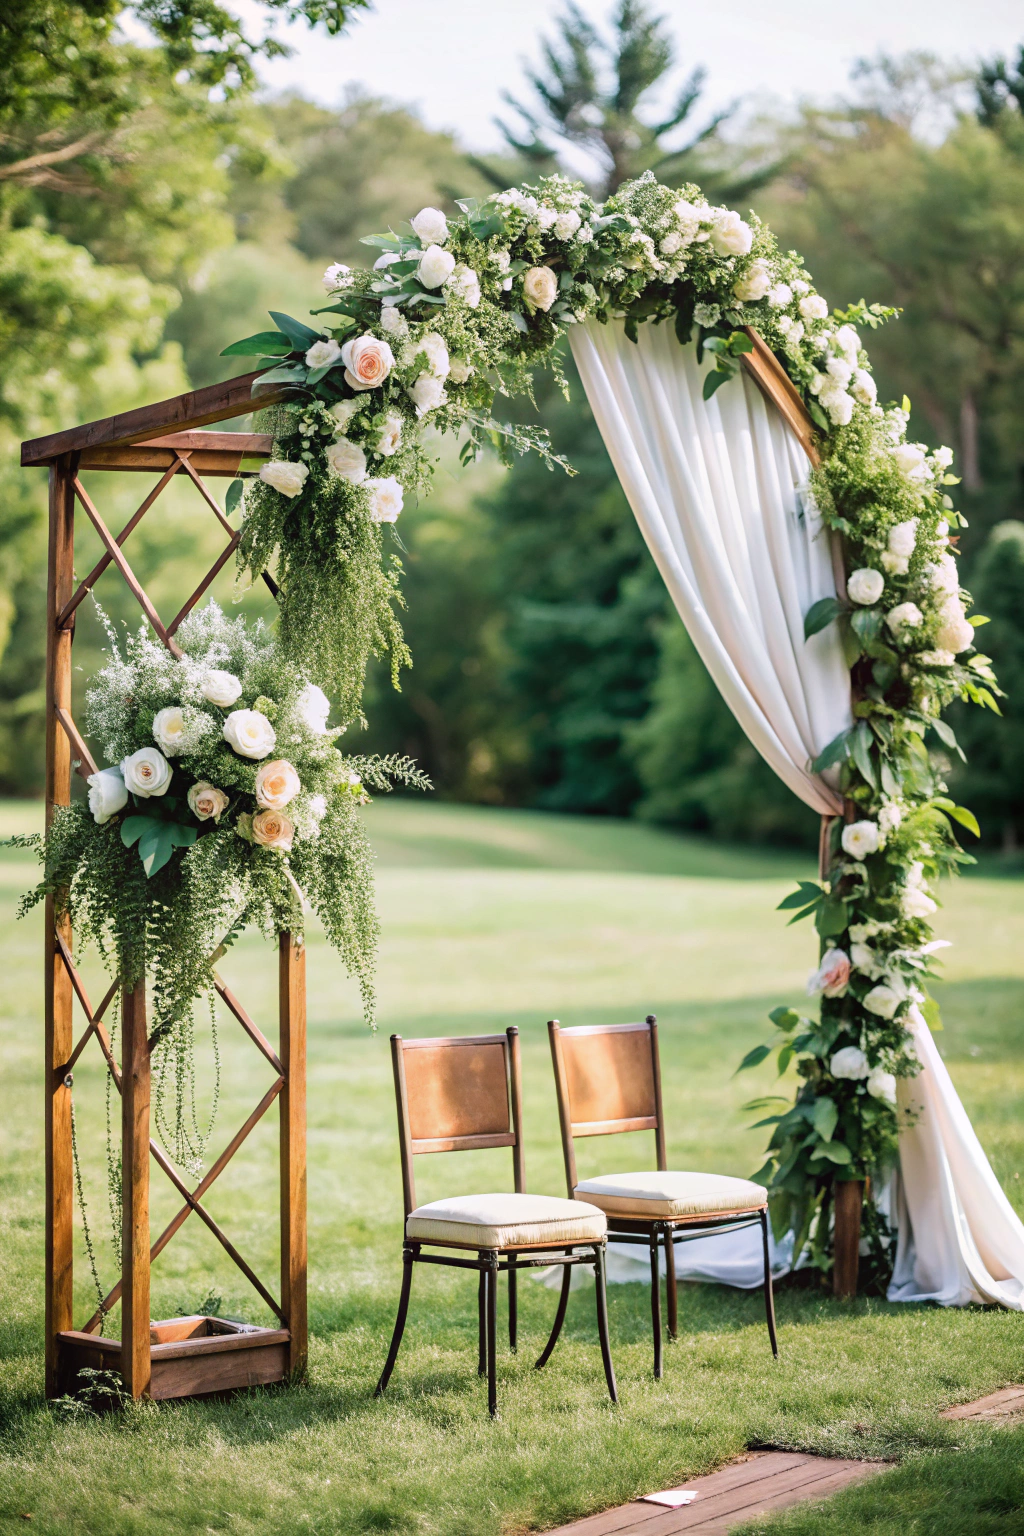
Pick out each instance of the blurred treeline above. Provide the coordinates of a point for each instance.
(549, 668)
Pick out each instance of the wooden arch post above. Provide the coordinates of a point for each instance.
(185, 1356)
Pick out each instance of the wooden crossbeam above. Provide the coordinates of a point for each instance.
(255, 1034)
(775, 383)
(133, 522)
(86, 765)
(136, 588)
(207, 581)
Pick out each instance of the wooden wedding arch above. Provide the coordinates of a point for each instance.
(190, 1355)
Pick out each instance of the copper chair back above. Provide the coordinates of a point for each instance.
(607, 1079)
(458, 1094)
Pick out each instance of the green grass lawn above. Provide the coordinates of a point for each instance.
(493, 918)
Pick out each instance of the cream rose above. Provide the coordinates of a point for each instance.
(567, 224)
(460, 370)
(814, 307)
(312, 706)
(272, 829)
(390, 439)
(956, 632)
(322, 354)
(850, 1062)
(344, 411)
(169, 729)
(904, 616)
(540, 287)
(206, 801)
(883, 1001)
(730, 236)
(435, 266)
(347, 460)
(427, 393)
(368, 361)
(430, 226)
(250, 733)
(385, 499)
(221, 688)
(146, 773)
(277, 783)
(865, 586)
(861, 838)
(832, 976)
(910, 460)
(284, 477)
(434, 349)
(754, 283)
(864, 388)
(882, 1085)
(108, 794)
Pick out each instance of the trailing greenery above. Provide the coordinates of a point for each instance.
(457, 311)
(187, 841)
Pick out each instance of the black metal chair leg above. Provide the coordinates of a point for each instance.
(481, 1307)
(769, 1295)
(656, 1301)
(602, 1322)
(670, 1285)
(408, 1259)
(492, 1335)
(513, 1299)
(563, 1302)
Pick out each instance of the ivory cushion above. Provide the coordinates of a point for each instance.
(506, 1221)
(671, 1195)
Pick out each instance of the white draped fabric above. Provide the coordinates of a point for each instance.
(718, 489)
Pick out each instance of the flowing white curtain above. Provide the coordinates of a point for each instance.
(718, 488)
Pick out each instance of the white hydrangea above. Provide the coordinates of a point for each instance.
(813, 307)
(910, 460)
(567, 224)
(863, 388)
(780, 296)
(903, 617)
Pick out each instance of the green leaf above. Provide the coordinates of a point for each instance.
(835, 1151)
(861, 746)
(159, 840)
(301, 336)
(905, 406)
(807, 893)
(263, 344)
(233, 497)
(978, 619)
(784, 1018)
(382, 242)
(932, 1016)
(833, 919)
(754, 1058)
(867, 622)
(132, 829)
(821, 614)
(519, 321)
(714, 381)
(818, 415)
(740, 342)
(785, 1057)
(288, 373)
(966, 818)
(837, 751)
(826, 1117)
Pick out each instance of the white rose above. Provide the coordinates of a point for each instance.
(865, 586)
(460, 371)
(864, 387)
(147, 772)
(108, 794)
(955, 632)
(385, 499)
(910, 460)
(430, 226)
(434, 349)
(390, 438)
(849, 343)
(896, 565)
(850, 1062)
(312, 706)
(169, 729)
(800, 287)
(840, 370)
(284, 477)
(754, 284)
(347, 460)
(883, 1001)
(944, 575)
(730, 236)
(386, 259)
(567, 224)
(890, 817)
(322, 354)
(427, 393)
(368, 361)
(336, 276)
(435, 266)
(882, 1085)
(917, 903)
(277, 784)
(540, 287)
(250, 733)
(221, 688)
(864, 959)
(904, 616)
(861, 838)
(903, 538)
(272, 829)
(206, 801)
(780, 296)
(546, 218)
(813, 307)
(465, 285)
(839, 406)
(393, 321)
(943, 457)
(344, 411)
(689, 216)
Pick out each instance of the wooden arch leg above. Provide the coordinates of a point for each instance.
(135, 1255)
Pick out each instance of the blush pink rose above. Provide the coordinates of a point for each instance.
(832, 976)
(273, 829)
(368, 361)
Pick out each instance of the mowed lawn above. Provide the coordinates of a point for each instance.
(494, 918)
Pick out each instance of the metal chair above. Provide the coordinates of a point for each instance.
(460, 1094)
(608, 1079)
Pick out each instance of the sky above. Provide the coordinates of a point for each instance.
(453, 58)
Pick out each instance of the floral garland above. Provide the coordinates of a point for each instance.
(202, 827)
(457, 311)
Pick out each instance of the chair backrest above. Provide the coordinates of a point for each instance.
(457, 1094)
(608, 1079)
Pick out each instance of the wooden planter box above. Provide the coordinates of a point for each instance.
(189, 1357)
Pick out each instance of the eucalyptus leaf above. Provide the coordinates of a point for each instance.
(302, 336)
(263, 344)
(234, 496)
(754, 1058)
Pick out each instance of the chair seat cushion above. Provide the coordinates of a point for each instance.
(506, 1221)
(672, 1195)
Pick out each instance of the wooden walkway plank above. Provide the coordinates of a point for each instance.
(766, 1481)
(997, 1405)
